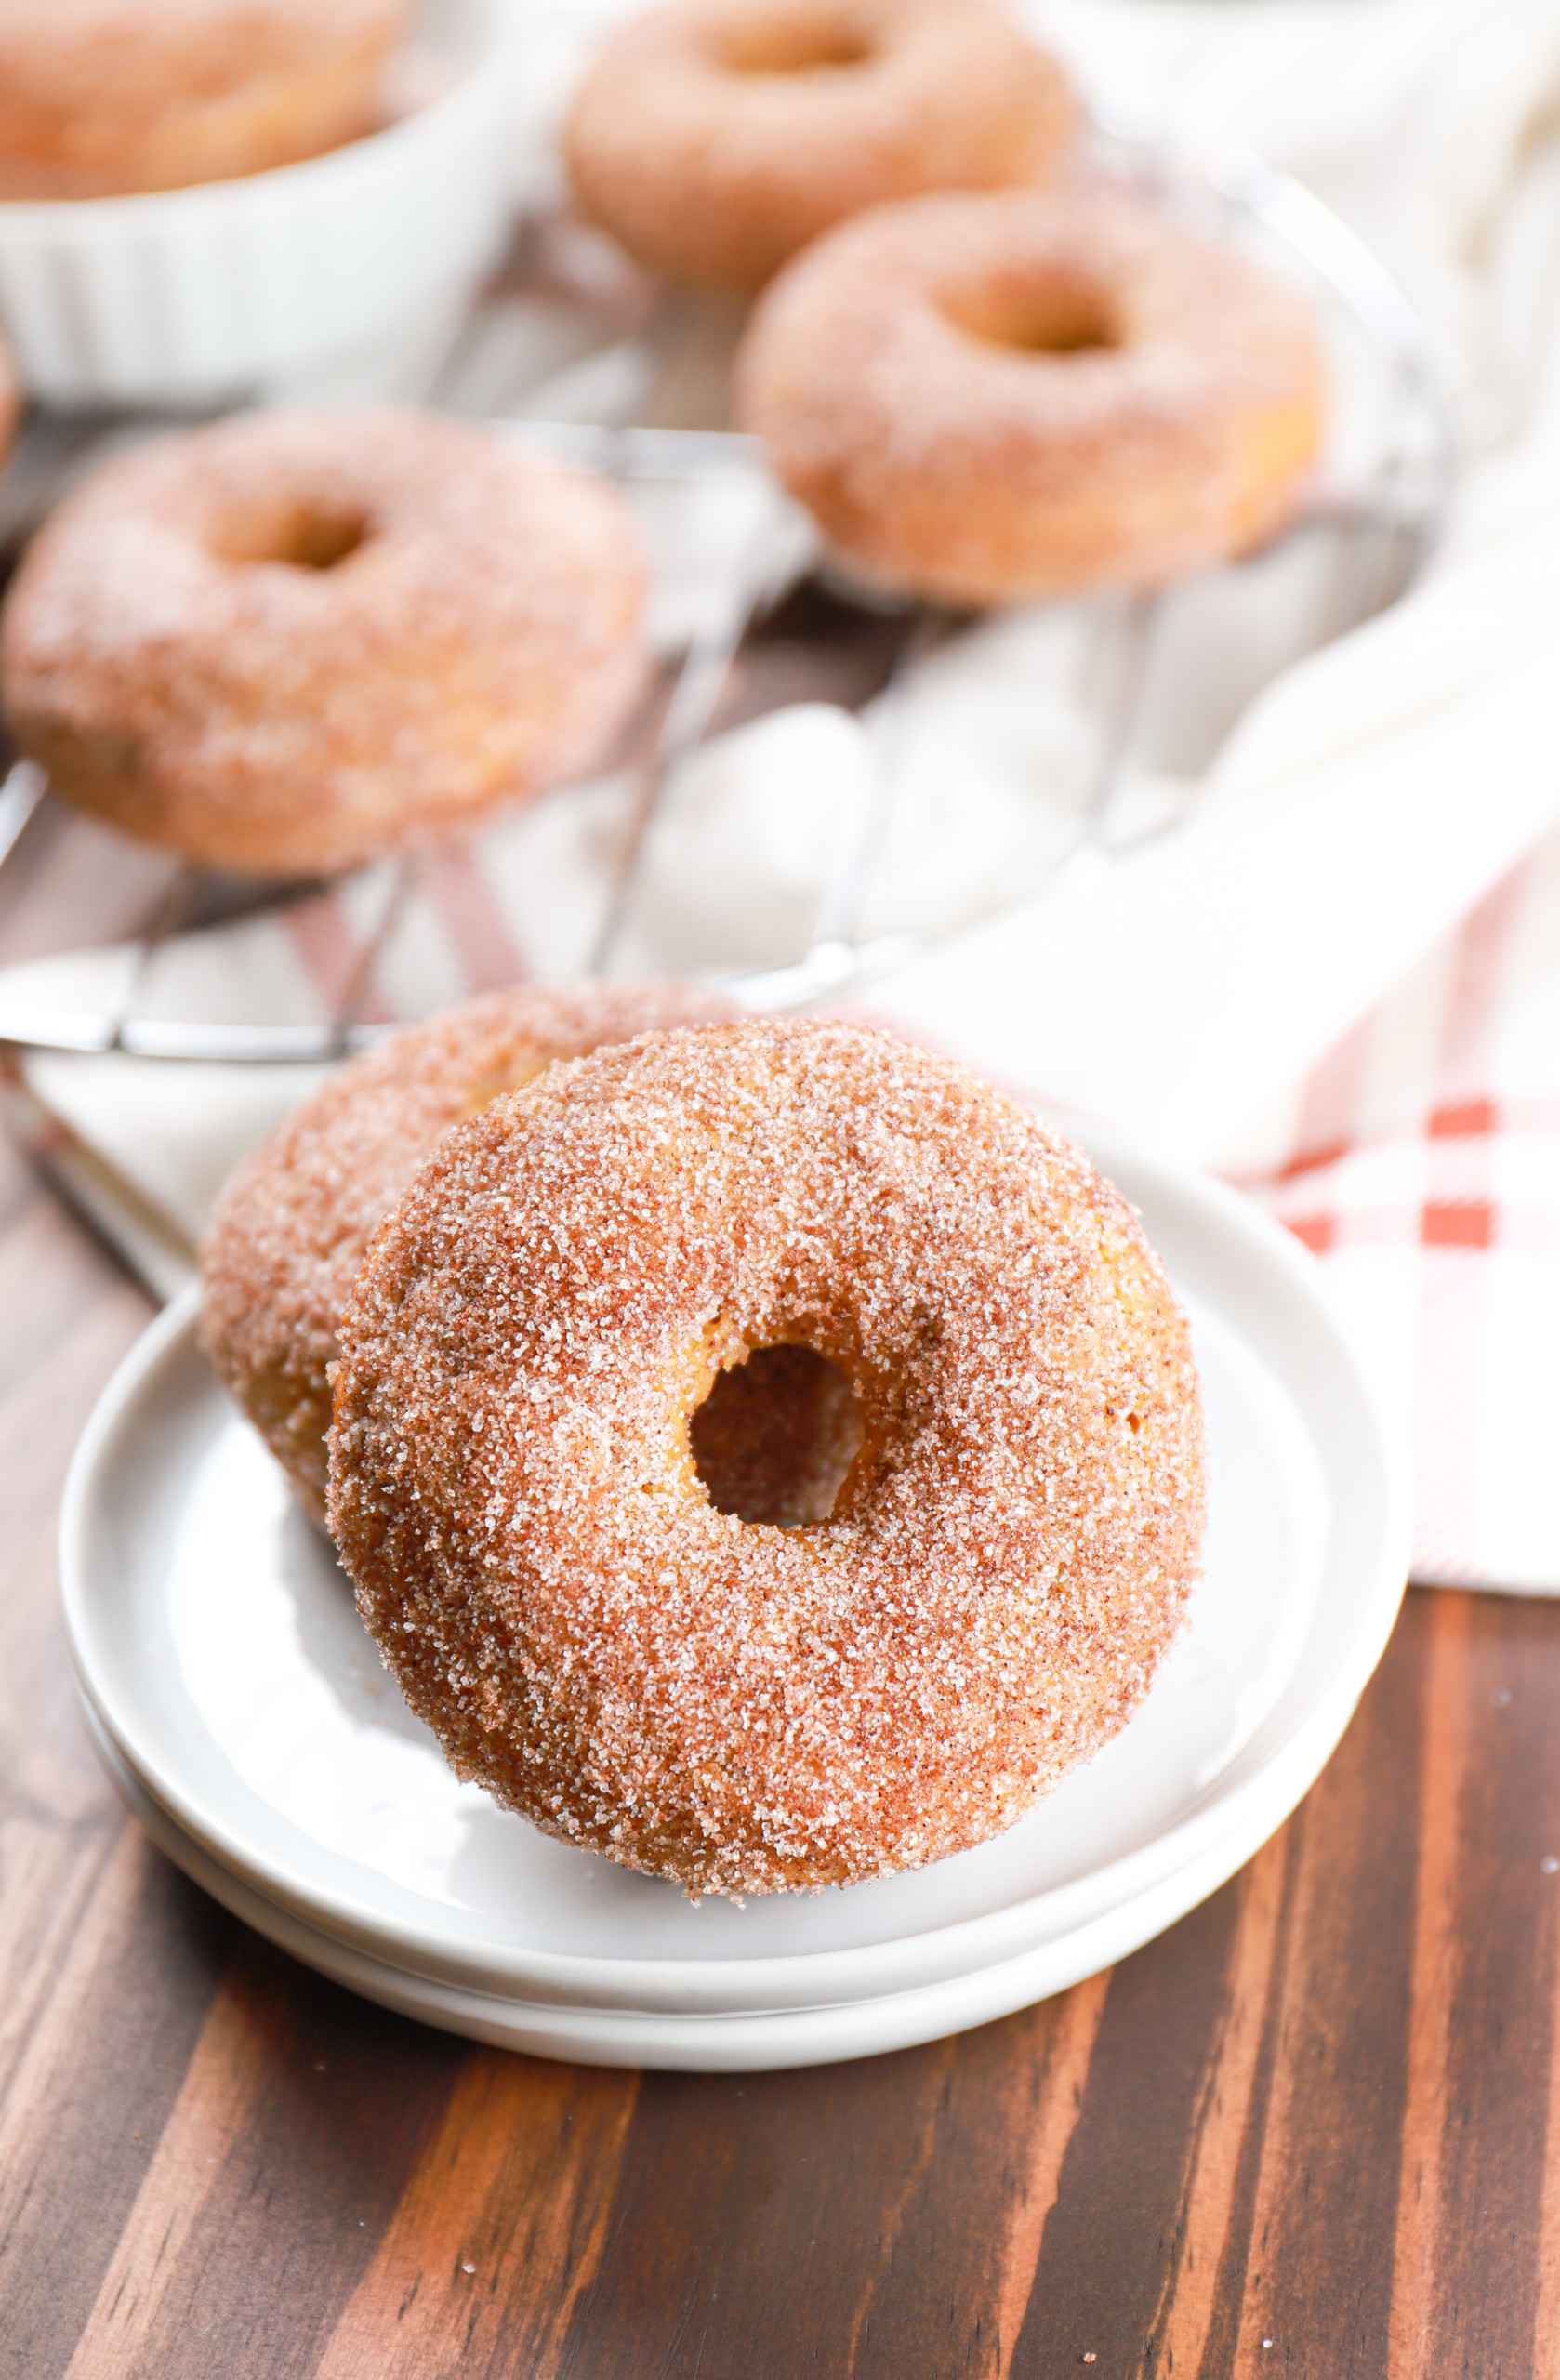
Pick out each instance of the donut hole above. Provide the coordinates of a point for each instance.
(776, 1436)
(321, 540)
(788, 44)
(1063, 318)
(304, 536)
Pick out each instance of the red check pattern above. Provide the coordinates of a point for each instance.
(1426, 1176)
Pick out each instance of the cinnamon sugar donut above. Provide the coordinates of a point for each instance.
(290, 1231)
(714, 137)
(1002, 397)
(100, 97)
(992, 1413)
(290, 643)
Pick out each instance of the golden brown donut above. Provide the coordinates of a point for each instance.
(714, 137)
(100, 98)
(986, 1384)
(288, 1233)
(1001, 397)
(290, 643)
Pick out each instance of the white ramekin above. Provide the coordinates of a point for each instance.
(344, 277)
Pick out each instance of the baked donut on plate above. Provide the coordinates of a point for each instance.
(714, 137)
(102, 98)
(1005, 396)
(617, 1307)
(290, 643)
(291, 1226)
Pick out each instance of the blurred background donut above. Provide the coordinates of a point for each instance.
(714, 137)
(1007, 395)
(102, 98)
(290, 643)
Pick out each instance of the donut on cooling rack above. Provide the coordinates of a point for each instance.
(100, 98)
(714, 137)
(766, 1455)
(997, 397)
(288, 644)
(290, 1229)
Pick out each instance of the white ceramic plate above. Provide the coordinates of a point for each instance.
(246, 1716)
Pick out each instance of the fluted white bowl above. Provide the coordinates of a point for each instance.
(344, 276)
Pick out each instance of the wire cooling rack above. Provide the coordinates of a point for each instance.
(1379, 510)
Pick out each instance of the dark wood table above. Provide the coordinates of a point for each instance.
(1308, 2130)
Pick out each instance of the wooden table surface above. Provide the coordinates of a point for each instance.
(1308, 2130)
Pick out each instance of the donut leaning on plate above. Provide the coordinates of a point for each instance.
(290, 1231)
(991, 1400)
(106, 98)
(997, 397)
(714, 137)
(289, 642)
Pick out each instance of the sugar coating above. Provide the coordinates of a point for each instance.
(746, 1707)
(104, 96)
(714, 137)
(1005, 395)
(291, 1226)
(171, 656)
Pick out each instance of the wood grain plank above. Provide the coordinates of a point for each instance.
(876, 2218)
(1442, 1774)
(1546, 2313)
(1487, 1955)
(949, 2270)
(1058, 2092)
(1112, 2237)
(113, 2022)
(225, 2078)
(1183, 2320)
(499, 2230)
(50, 1885)
(302, 2113)
(812, 2218)
(1310, 2268)
(749, 2210)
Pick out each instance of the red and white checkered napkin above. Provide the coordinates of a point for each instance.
(1427, 1179)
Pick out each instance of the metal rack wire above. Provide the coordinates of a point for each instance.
(1384, 530)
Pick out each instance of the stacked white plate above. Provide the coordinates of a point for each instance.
(245, 1716)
